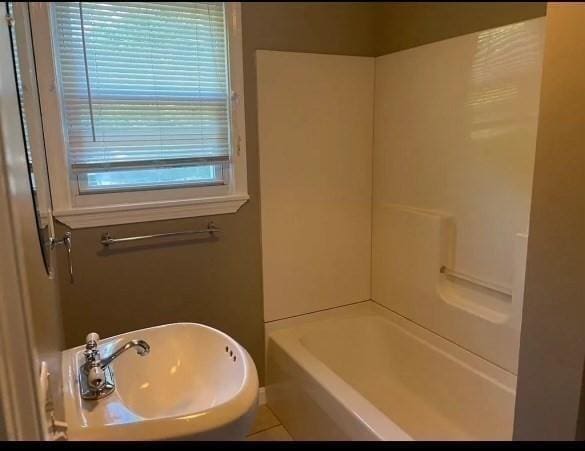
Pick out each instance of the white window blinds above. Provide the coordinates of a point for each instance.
(144, 86)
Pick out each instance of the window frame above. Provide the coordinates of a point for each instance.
(90, 210)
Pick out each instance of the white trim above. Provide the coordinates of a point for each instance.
(49, 94)
(236, 73)
(91, 210)
(76, 218)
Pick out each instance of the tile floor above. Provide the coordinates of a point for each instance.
(267, 427)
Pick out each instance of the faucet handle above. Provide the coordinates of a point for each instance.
(92, 355)
(91, 340)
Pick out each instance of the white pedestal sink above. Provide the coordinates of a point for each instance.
(197, 383)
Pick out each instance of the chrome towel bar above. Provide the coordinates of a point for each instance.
(108, 239)
(475, 281)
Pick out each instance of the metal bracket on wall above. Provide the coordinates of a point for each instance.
(65, 241)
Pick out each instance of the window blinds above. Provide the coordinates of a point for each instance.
(143, 84)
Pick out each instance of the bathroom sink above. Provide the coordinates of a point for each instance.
(197, 383)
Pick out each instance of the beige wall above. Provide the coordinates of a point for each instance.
(552, 349)
(402, 25)
(218, 283)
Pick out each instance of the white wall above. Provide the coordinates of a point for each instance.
(453, 152)
(455, 133)
(315, 116)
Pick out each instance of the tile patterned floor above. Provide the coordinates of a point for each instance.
(267, 427)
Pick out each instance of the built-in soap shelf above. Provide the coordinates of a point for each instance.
(488, 300)
(410, 246)
(424, 241)
(475, 281)
(475, 299)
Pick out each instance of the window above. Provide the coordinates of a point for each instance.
(148, 98)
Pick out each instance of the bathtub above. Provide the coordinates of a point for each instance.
(362, 372)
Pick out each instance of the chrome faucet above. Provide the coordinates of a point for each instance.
(143, 349)
(96, 378)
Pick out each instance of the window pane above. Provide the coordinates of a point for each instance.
(152, 178)
(145, 90)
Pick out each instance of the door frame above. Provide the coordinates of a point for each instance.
(20, 409)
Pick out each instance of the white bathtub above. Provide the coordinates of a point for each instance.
(364, 373)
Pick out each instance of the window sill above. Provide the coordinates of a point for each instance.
(78, 218)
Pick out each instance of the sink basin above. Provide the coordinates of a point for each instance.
(197, 383)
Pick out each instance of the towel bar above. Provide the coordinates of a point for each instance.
(108, 240)
(475, 281)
